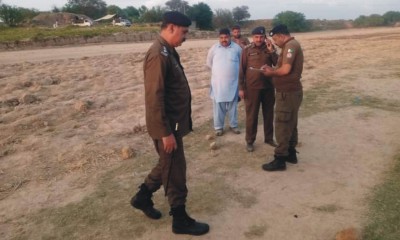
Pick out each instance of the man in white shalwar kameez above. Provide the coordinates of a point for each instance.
(223, 59)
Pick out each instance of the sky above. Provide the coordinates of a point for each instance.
(259, 9)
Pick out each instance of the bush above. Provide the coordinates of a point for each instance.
(296, 22)
(373, 20)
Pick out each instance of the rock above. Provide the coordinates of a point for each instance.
(213, 146)
(28, 98)
(11, 102)
(82, 106)
(209, 137)
(51, 80)
(347, 234)
(127, 152)
(27, 84)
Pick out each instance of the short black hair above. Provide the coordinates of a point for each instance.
(224, 31)
(236, 27)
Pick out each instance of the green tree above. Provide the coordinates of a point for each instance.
(113, 9)
(11, 16)
(296, 22)
(223, 18)
(142, 10)
(240, 13)
(132, 12)
(391, 17)
(55, 9)
(178, 5)
(202, 14)
(28, 14)
(91, 8)
(152, 15)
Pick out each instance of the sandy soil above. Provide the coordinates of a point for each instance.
(66, 113)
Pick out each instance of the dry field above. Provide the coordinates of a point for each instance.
(66, 114)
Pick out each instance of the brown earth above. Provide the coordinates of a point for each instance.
(68, 113)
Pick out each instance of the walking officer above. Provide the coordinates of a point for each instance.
(168, 120)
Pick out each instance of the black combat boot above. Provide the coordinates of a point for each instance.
(278, 164)
(183, 224)
(142, 200)
(292, 158)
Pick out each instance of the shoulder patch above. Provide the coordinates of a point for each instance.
(290, 50)
(164, 51)
(247, 46)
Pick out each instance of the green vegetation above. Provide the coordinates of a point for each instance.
(374, 20)
(91, 8)
(36, 33)
(12, 16)
(296, 22)
(202, 14)
(384, 214)
(241, 13)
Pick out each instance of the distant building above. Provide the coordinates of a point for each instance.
(61, 18)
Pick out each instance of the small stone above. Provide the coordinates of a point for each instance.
(126, 153)
(28, 98)
(213, 146)
(209, 137)
(82, 106)
(27, 84)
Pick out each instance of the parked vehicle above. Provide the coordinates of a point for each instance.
(83, 23)
(123, 22)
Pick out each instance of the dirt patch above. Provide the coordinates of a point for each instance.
(62, 175)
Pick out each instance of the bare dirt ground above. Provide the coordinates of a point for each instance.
(66, 113)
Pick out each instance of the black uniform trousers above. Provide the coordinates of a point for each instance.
(286, 116)
(172, 166)
(253, 99)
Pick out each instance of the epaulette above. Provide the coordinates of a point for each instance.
(248, 45)
(164, 51)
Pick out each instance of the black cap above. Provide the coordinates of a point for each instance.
(176, 18)
(235, 27)
(279, 29)
(224, 31)
(258, 31)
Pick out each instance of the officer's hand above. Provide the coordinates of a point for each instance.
(241, 94)
(169, 143)
(269, 44)
(267, 70)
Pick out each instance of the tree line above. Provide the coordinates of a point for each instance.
(201, 13)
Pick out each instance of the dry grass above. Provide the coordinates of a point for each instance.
(255, 231)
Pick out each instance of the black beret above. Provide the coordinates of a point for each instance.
(176, 18)
(235, 27)
(281, 28)
(258, 31)
(224, 31)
